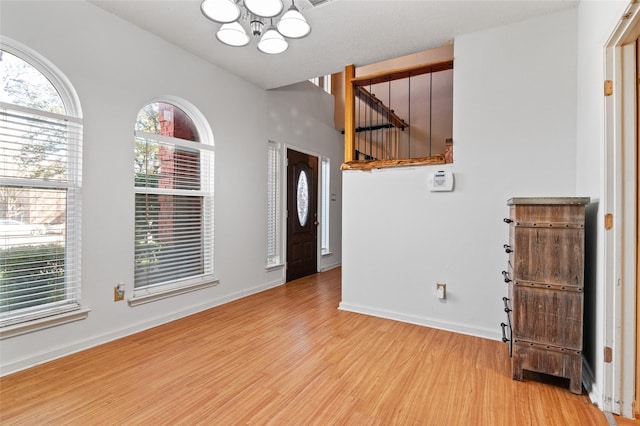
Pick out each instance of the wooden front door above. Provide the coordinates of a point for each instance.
(302, 214)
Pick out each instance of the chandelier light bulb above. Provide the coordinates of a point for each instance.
(233, 34)
(222, 11)
(272, 42)
(292, 24)
(264, 8)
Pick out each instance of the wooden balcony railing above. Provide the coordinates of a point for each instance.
(376, 135)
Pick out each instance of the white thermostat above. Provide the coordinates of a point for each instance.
(441, 181)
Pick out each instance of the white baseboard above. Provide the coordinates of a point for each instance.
(486, 333)
(589, 383)
(50, 355)
(331, 266)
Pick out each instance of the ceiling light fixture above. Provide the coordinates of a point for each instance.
(265, 8)
(233, 14)
(292, 24)
(272, 41)
(233, 34)
(222, 11)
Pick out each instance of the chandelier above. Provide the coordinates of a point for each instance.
(232, 13)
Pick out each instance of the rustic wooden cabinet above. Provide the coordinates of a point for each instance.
(545, 278)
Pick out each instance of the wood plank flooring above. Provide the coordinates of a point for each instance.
(288, 356)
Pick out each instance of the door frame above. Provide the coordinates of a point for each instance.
(284, 198)
(619, 199)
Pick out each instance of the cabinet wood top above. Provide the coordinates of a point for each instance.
(548, 200)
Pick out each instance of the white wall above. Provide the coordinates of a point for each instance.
(597, 20)
(116, 69)
(514, 128)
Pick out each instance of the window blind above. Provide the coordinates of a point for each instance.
(273, 204)
(173, 210)
(40, 187)
(326, 198)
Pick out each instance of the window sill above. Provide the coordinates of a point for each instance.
(274, 267)
(326, 253)
(42, 323)
(141, 299)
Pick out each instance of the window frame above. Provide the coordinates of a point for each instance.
(274, 256)
(71, 308)
(325, 205)
(323, 82)
(170, 288)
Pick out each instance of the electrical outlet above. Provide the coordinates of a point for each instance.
(441, 290)
(118, 292)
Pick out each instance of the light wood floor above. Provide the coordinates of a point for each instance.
(288, 356)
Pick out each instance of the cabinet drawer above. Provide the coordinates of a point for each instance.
(553, 256)
(559, 213)
(557, 363)
(549, 317)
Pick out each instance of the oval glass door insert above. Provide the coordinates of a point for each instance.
(303, 198)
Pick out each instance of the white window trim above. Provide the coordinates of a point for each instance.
(174, 288)
(70, 98)
(325, 206)
(175, 141)
(73, 110)
(278, 262)
(42, 323)
(139, 298)
(324, 84)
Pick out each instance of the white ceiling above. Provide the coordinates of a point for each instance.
(343, 32)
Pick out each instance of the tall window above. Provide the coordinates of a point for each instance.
(326, 198)
(40, 182)
(174, 198)
(324, 82)
(273, 204)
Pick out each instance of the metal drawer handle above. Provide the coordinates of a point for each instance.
(507, 220)
(506, 305)
(504, 332)
(507, 248)
(505, 274)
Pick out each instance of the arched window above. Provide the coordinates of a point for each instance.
(173, 169)
(40, 171)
